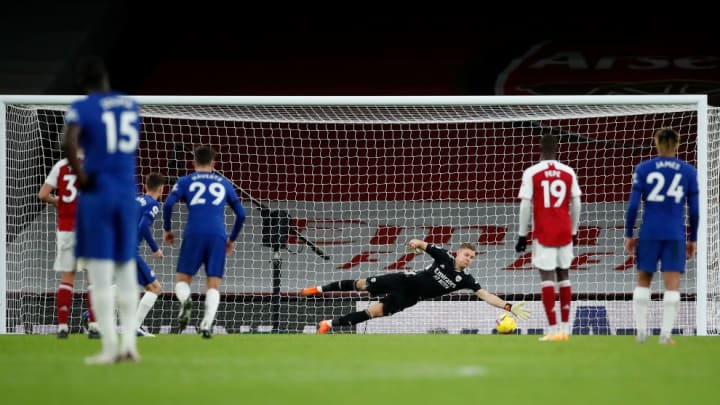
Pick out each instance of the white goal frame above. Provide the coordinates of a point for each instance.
(697, 102)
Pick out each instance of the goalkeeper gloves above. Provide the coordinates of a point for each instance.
(521, 244)
(518, 309)
(575, 240)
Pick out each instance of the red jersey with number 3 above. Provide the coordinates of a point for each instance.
(550, 185)
(62, 179)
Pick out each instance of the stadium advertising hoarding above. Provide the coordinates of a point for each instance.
(586, 318)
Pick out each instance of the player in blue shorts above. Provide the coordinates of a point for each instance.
(665, 184)
(149, 208)
(106, 125)
(205, 241)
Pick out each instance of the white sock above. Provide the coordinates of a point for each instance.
(671, 301)
(212, 301)
(103, 302)
(127, 298)
(641, 297)
(145, 305)
(182, 291)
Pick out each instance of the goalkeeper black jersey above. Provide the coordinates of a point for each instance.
(440, 277)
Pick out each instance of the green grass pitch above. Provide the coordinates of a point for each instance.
(363, 369)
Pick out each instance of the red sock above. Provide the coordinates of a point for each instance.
(565, 301)
(548, 299)
(63, 302)
(90, 308)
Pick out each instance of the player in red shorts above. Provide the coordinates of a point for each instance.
(63, 182)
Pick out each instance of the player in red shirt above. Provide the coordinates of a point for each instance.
(552, 189)
(62, 180)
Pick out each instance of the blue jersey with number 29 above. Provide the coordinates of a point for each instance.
(665, 184)
(205, 195)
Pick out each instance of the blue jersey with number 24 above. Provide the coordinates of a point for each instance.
(665, 185)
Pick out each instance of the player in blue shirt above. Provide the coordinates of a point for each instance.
(665, 184)
(106, 125)
(205, 240)
(149, 208)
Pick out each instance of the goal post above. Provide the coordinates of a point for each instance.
(333, 187)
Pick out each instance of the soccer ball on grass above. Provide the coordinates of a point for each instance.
(505, 324)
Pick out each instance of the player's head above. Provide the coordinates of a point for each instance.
(667, 141)
(464, 255)
(92, 75)
(154, 183)
(548, 146)
(204, 156)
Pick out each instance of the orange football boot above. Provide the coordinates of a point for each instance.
(324, 327)
(309, 292)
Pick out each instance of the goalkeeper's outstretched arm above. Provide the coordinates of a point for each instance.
(414, 244)
(518, 309)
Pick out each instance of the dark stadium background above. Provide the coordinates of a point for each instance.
(357, 49)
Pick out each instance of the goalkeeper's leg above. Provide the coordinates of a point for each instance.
(345, 320)
(375, 310)
(342, 285)
(388, 305)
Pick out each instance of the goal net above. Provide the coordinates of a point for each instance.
(334, 187)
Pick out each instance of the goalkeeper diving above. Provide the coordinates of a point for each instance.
(402, 290)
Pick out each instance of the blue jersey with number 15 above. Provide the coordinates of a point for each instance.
(109, 133)
(665, 184)
(106, 224)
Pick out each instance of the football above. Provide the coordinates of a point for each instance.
(505, 324)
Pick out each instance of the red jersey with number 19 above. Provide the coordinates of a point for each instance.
(549, 185)
(62, 179)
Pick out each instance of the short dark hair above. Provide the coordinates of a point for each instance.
(154, 180)
(549, 143)
(667, 135)
(90, 72)
(204, 155)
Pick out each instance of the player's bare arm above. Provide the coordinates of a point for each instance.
(417, 244)
(518, 309)
(168, 237)
(45, 195)
(630, 245)
(490, 298)
(71, 153)
(228, 247)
